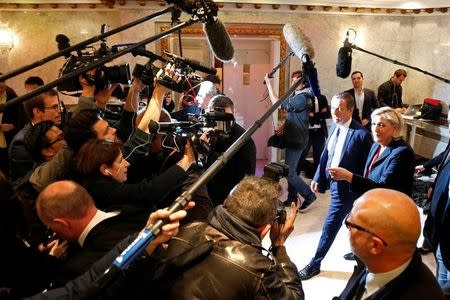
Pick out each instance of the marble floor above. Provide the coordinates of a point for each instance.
(335, 271)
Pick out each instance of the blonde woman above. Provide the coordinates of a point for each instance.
(390, 163)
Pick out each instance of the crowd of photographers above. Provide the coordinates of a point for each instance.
(79, 188)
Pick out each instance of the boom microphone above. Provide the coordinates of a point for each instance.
(344, 59)
(298, 41)
(63, 43)
(301, 45)
(195, 65)
(218, 40)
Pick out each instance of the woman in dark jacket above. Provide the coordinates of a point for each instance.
(390, 163)
(104, 174)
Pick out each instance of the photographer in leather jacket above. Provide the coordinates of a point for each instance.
(224, 258)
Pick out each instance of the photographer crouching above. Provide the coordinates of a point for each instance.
(243, 161)
(223, 258)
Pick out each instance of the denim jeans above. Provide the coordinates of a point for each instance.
(295, 183)
(443, 275)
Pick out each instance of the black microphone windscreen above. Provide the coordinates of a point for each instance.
(344, 62)
(62, 39)
(219, 41)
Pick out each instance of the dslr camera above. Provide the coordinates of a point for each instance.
(276, 171)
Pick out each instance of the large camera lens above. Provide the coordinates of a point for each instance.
(117, 74)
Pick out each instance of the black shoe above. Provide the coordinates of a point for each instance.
(308, 272)
(349, 256)
(289, 200)
(306, 205)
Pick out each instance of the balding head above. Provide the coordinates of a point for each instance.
(389, 216)
(66, 207)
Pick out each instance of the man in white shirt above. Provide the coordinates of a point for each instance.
(365, 100)
(347, 146)
(68, 209)
(384, 226)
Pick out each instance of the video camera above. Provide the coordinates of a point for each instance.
(103, 76)
(177, 134)
(276, 171)
(187, 83)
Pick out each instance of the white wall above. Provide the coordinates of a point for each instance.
(422, 41)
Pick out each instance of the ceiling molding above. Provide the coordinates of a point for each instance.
(335, 7)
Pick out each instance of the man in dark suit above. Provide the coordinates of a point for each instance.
(365, 100)
(437, 225)
(241, 164)
(68, 209)
(384, 226)
(348, 146)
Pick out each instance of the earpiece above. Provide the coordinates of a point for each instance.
(108, 172)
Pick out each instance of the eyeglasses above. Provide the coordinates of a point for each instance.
(59, 138)
(349, 225)
(56, 107)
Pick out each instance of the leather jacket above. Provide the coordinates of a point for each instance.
(228, 269)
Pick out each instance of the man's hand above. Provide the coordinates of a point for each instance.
(88, 90)
(314, 186)
(340, 174)
(103, 95)
(419, 169)
(5, 127)
(55, 248)
(400, 110)
(280, 129)
(364, 122)
(280, 232)
(169, 230)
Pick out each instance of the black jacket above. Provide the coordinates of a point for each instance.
(416, 282)
(390, 95)
(101, 239)
(242, 163)
(147, 193)
(234, 268)
(370, 104)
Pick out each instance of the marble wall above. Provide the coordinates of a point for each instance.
(421, 41)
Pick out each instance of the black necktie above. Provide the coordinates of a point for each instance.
(361, 288)
(332, 148)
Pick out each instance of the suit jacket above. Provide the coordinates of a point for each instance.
(369, 105)
(416, 282)
(320, 117)
(101, 239)
(397, 158)
(437, 225)
(20, 160)
(435, 161)
(354, 153)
